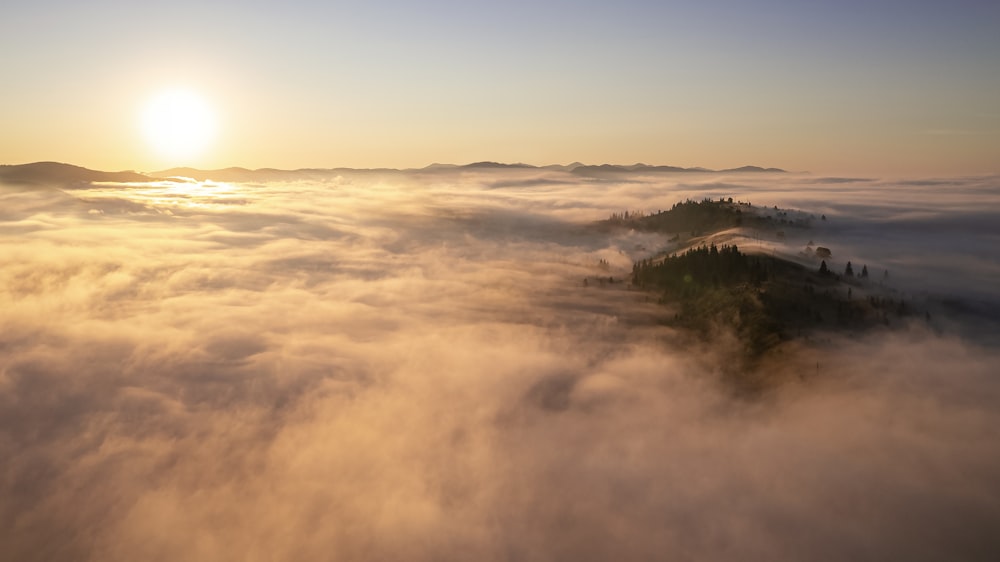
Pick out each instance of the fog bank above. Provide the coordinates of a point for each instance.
(409, 367)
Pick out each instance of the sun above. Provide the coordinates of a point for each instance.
(179, 124)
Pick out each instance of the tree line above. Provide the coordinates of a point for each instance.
(686, 274)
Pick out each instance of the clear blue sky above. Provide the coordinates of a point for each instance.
(907, 87)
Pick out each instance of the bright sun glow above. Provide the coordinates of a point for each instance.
(179, 124)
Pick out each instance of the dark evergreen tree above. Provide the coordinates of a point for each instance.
(822, 267)
(849, 271)
(864, 271)
(697, 269)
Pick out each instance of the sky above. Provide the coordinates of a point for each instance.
(885, 87)
(408, 366)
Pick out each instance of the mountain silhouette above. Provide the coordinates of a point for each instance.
(67, 174)
(496, 165)
(59, 173)
(754, 169)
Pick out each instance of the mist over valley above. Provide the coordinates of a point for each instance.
(466, 362)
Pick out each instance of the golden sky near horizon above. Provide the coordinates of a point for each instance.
(849, 88)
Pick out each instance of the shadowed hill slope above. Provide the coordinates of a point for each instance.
(59, 173)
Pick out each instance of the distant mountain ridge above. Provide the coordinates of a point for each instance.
(57, 172)
(65, 174)
(575, 167)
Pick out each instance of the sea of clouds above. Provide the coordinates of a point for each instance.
(407, 366)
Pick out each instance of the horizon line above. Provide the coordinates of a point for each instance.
(480, 164)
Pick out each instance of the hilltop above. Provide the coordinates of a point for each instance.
(763, 300)
(696, 218)
(59, 173)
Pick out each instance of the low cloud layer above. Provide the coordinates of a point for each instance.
(409, 368)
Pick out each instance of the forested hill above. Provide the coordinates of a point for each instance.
(707, 216)
(764, 300)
